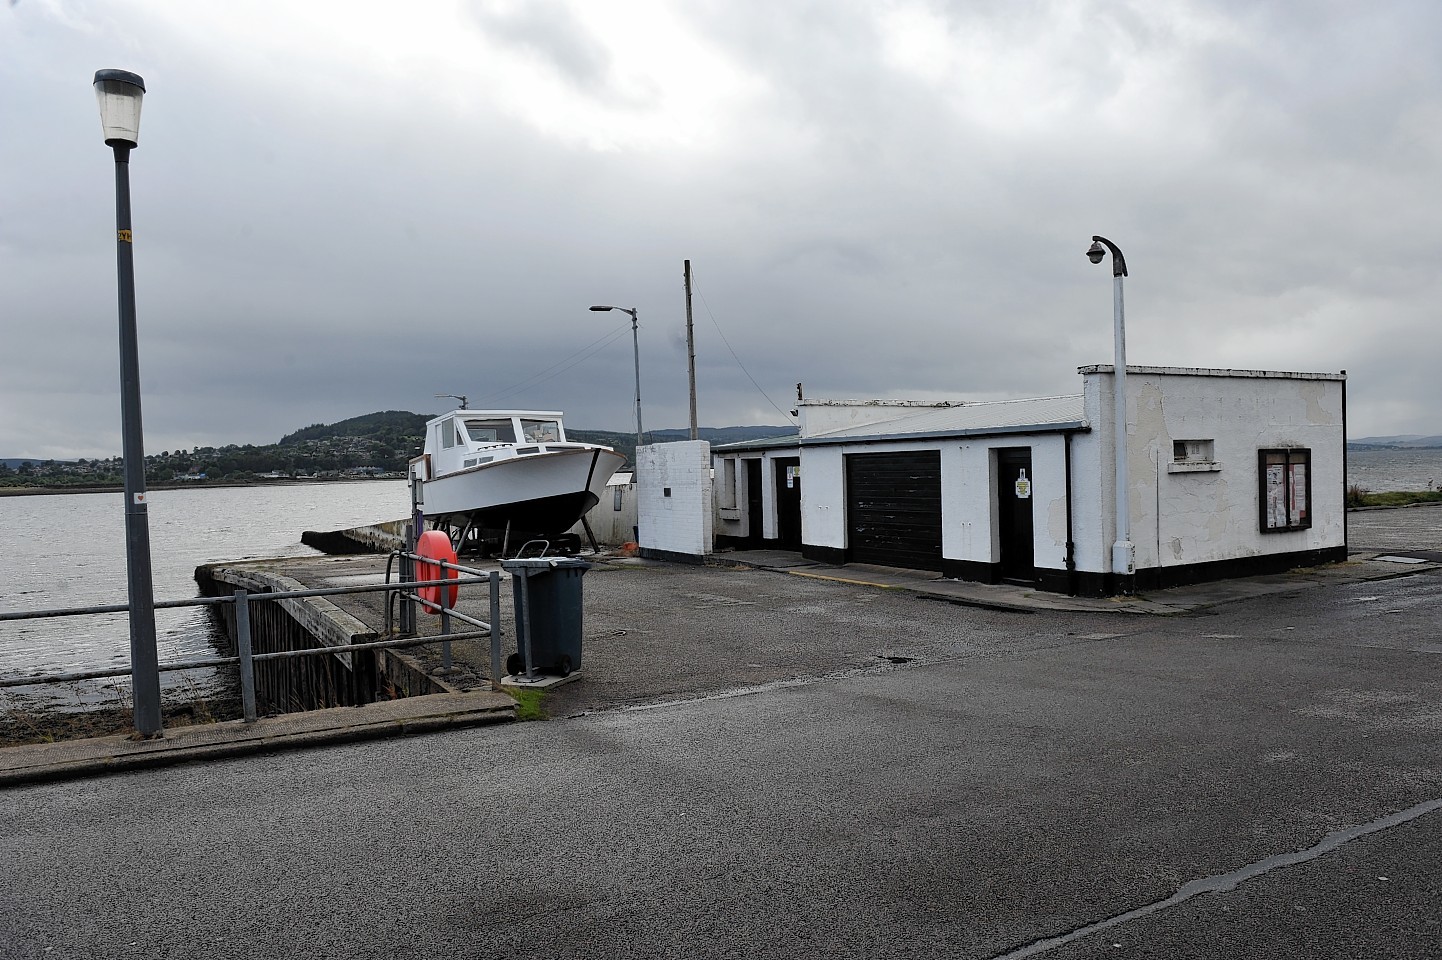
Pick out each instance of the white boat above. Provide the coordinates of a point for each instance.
(510, 470)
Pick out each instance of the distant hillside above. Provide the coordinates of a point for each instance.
(15, 462)
(719, 435)
(1406, 441)
(386, 422)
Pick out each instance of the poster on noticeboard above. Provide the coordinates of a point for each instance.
(1276, 496)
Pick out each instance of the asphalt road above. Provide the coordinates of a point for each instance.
(1022, 778)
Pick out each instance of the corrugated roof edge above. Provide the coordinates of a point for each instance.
(769, 443)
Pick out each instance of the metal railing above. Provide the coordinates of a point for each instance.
(406, 589)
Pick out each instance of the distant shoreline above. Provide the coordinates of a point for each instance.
(118, 488)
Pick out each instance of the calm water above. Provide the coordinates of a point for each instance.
(69, 551)
(1382, 470)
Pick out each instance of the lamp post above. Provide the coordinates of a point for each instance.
(636, 350)
(119, 94)
(1123, 550)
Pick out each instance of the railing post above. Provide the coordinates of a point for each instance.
(445, 621)
(408, 575)
(242, 650)
(495, 630)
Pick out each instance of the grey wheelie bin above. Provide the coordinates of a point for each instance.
(547, 595)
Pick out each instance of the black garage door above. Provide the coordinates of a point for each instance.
(893, 509)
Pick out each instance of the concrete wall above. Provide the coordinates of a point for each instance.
(674, 500)
(1199, 513)
(311, 683)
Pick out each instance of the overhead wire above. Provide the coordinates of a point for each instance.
(712, 315)
(559, 367)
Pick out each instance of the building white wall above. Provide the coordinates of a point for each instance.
(1181, 514)
(823, 497)
(1189, 516)
(969, 527)
(674, 503)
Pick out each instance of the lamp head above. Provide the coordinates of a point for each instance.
(602, 309)
(1096, 252)
(119, 93)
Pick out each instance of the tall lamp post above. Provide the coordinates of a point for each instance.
(1124, 555)
(636, 350)
(119, 94)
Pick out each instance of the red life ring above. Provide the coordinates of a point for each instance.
(435, 545)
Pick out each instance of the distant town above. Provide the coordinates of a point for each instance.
(374, 446)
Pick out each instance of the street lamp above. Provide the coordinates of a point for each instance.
(1124, 555)
(119, 94)
(635, 349)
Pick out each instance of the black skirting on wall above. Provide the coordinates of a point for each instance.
(974, 570)
(834, 555)
(650, 553)
(1160, 578)
(1089, 584)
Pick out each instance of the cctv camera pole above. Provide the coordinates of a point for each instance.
(1123, 551)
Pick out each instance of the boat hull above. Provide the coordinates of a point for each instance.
(543, 493)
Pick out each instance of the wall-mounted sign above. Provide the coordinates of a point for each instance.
(1023, 486)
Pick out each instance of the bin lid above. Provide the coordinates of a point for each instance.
(546, 563)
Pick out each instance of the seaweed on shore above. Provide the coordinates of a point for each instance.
(30, 725)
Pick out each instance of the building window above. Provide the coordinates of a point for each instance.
(1194, 456)
(616, 500)
(1285, 489)
(1193, 451)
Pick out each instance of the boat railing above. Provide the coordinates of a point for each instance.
(406, 589)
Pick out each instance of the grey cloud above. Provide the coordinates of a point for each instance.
(545, 28)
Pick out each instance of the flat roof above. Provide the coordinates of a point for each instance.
(930, 422)
(1213, 372)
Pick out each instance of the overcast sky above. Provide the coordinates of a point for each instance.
(348, 207)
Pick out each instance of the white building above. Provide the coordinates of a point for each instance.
(1230, 473)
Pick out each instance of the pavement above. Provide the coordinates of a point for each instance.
(1360, 566)
(769, 766)
(96, 756)
(680, 643)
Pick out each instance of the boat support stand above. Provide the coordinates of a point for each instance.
(590, 535)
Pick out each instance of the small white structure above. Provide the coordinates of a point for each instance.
(1231, 472)
(674, 518)
(613, 520)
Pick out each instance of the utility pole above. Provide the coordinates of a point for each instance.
(691, 353)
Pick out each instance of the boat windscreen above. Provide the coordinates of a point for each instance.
(541, 431)
(490, 431)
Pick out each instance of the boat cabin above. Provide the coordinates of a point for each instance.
(469, 438)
